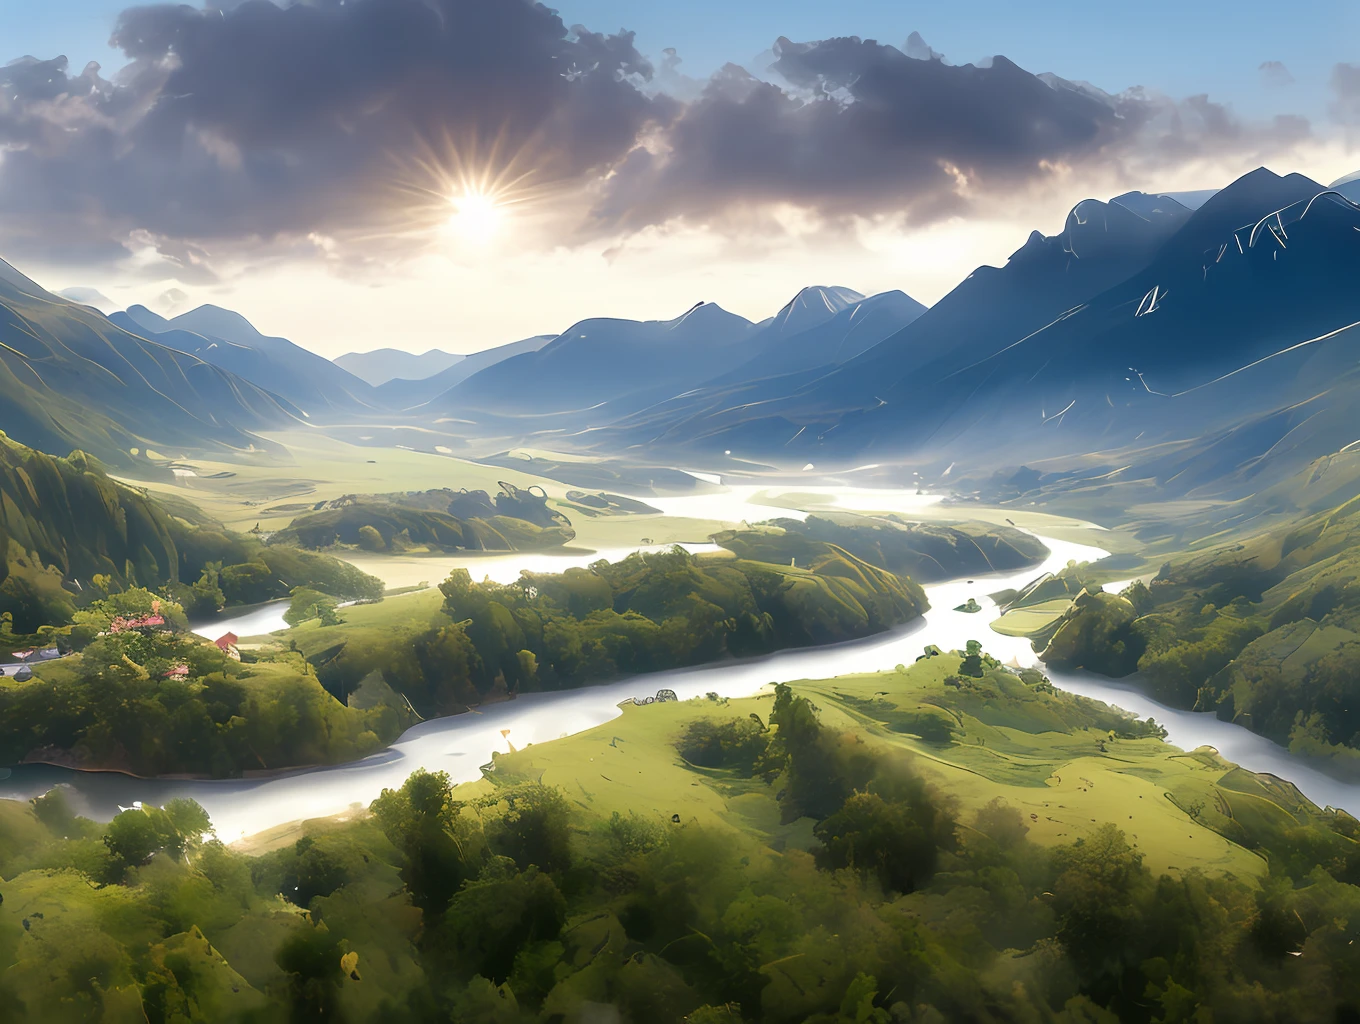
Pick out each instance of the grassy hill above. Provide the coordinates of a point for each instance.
(769, 860)
(437, 520)
(925, 551)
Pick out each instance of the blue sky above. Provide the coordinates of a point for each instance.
(1182, 48)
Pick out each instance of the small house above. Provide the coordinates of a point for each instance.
(178, 672)
(227, 645)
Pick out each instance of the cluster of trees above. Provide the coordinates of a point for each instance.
(1279, 656)
(159, 701)
(642, 614)
(923, 551)
(441, 520)
(68, 532)
(520, 906)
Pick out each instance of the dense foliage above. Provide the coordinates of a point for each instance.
(1266, 634)
(922, 550)
(153, 701)
(439, 520)
(645, 613)
(510, 903)
(65, 525)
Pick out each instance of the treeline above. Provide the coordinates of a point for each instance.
(65, 524)
(645, 613)
(520, 906)
(156, 701)
(924, 551)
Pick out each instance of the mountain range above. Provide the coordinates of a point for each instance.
(317, 387)
(1173, 338)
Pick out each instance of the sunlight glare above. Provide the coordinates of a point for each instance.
(476, 217)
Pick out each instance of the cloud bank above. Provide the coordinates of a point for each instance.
(315, 125)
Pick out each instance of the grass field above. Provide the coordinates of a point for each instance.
(1032, 750)
(1026, 621)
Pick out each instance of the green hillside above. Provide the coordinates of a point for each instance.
(63, 522)
(800, 856)
(924, 551)
(646, 613)
(1265, 632)
(436, 520)
(71, 379)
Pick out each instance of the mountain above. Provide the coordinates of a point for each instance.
(597, 361)
(1045, 280)
(1186, 348)
(402, 393)
(823, 329)
(384, 364)
(320, 389)
(1348, 186)
(70, 378)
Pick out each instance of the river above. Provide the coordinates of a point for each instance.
(460, 744)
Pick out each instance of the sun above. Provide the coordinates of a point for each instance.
(476, 218)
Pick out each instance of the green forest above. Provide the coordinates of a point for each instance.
(837, 882)
(1266, 633)
(351, 680)
(648, 612)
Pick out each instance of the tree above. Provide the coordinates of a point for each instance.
(135, 835)
(892, 842)
(208, 595)
(972, 660)
(370, 539)
(310, 604)
(441, 847)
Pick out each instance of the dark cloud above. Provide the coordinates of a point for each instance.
(293, 124)
(870, 130)
(1275, 74)
(264, 119)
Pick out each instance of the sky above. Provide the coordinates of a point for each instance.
(460, 173)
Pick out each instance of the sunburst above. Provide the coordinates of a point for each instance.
(469, 194)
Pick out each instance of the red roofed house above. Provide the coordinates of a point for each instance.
(178, 672)
(227, 645)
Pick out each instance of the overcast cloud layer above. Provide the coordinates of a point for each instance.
(314, 125)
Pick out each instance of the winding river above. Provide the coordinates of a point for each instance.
(460, 744)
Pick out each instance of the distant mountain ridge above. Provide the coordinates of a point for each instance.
(320, 389)
(380, 365)
(401, 393)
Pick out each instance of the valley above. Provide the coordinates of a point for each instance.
(993, 659)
